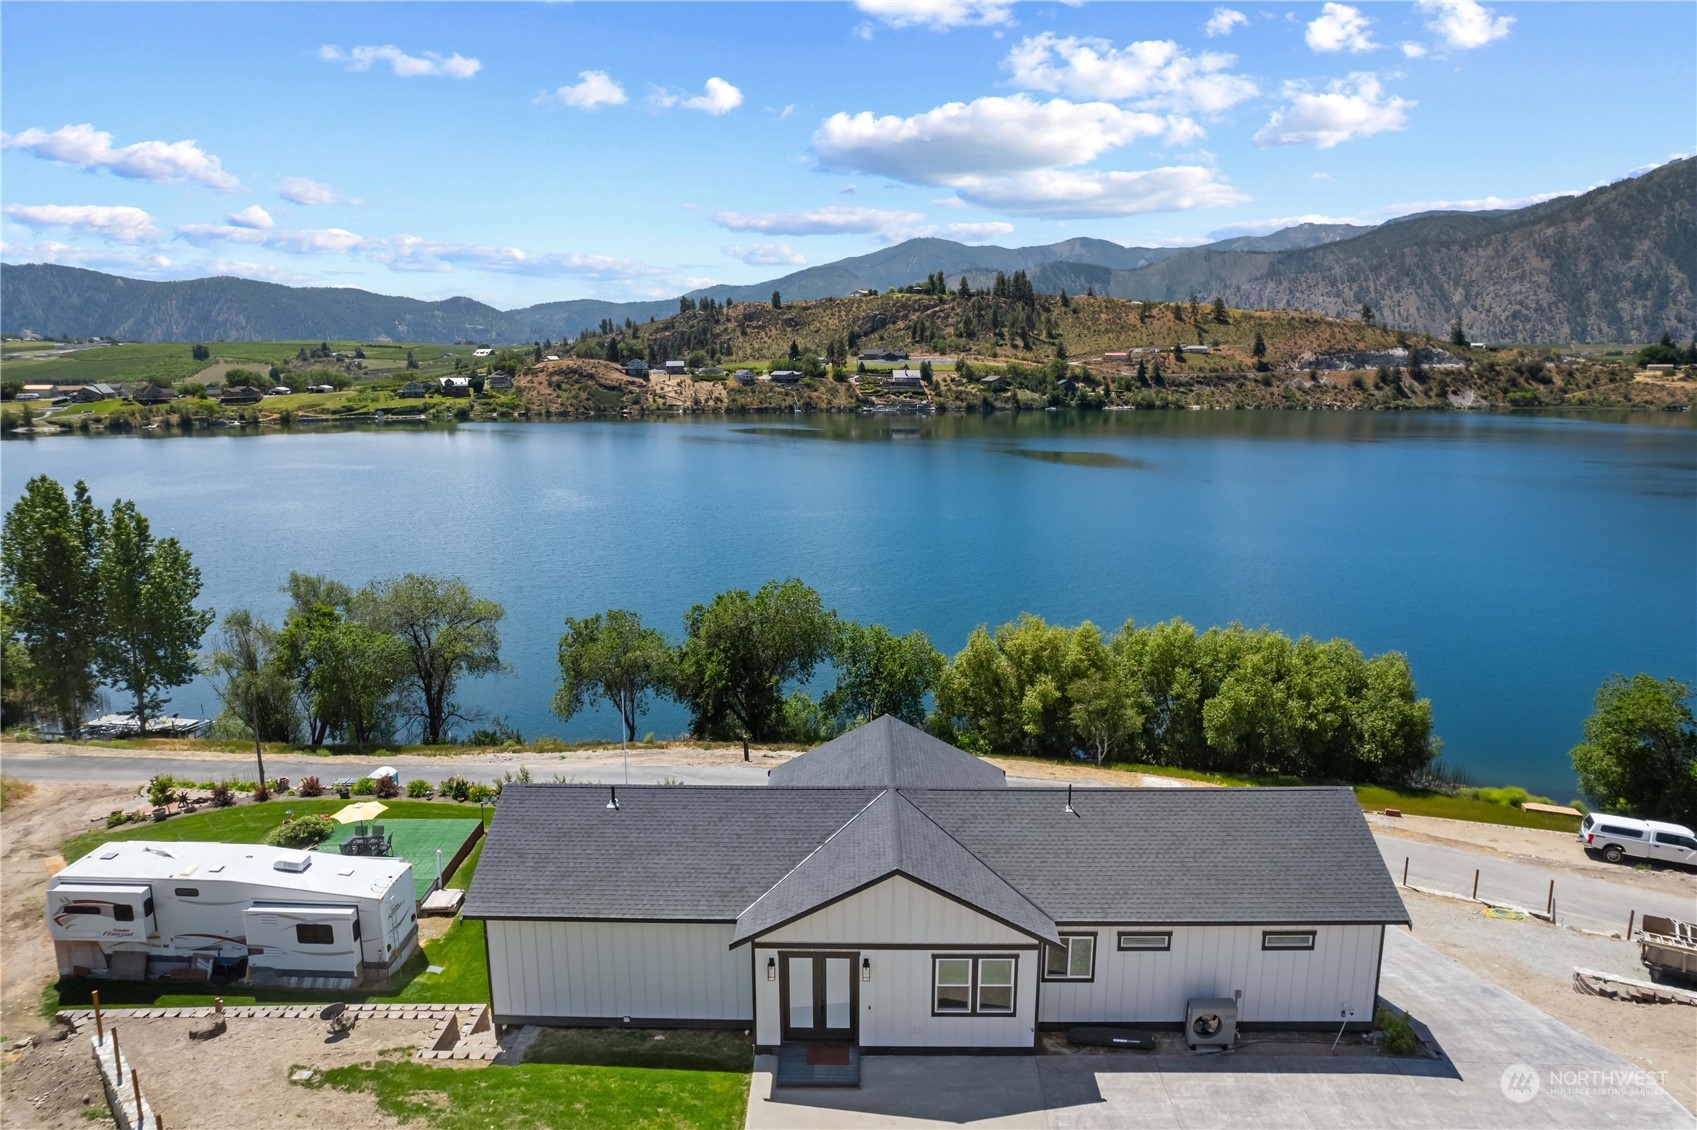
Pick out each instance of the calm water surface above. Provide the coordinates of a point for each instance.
(1517, 561)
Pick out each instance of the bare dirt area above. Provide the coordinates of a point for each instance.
(1078, 773)
(52, 1086)
(1535, 961)
(31, 831)
(1555, 850)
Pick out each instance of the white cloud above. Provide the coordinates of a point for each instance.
(766, 254)
(116, 222)
(1222, 22)
(984, 232)
(1340, 27)
(145, 263)
(311, 193)
(253, 216)
(1476, 204)
(265, 272)
(985, 137)
(720, 97)
(1348, 108)
(158, 162)
(428, 65)
(1061, 194)
(1465, 24)
(1321, 176)
(1411, 50)
(1154, 74)
(833, 220)
(595, 88)
(1280, 223)
(937, 15)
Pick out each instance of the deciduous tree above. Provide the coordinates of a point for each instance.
(612, 656)
(1640, 749)
(249, 680)
(880, 673)
(449, 633)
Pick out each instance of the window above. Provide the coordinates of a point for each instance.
(954, 984)
(974, 986)
(187, 892)
(147, 907)
(356, 929)
(315, 934)
(123, 913)
(1287, 940)
(1129, 940)
(79, 908)
(1073, 960)
(1624, 833)
(1675, 839)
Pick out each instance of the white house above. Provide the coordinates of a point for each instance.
(135, 910)
(888, 891)
(484, 351)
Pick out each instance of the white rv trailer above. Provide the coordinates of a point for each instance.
(134, 910)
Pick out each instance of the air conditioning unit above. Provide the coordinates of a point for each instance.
(1210, 1022)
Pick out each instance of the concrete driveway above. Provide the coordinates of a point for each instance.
(1481, 1031)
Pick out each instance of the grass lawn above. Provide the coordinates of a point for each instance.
(460, 952)
(678, 1050)
(549, 1096)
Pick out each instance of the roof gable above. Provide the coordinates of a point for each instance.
(888, 753)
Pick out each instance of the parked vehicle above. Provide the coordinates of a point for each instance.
(1618, 838)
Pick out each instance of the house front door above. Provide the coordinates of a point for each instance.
(819, 996)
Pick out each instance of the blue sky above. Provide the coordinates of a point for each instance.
(531, 153)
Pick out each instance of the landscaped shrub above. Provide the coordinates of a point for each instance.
(311, 786)
(456, 787)
(418, 788)
(480, 794)
(1399, 1036)
(222, 795)
(161, 790)
(387, 788)
(301, 832)
(113, 819)
(364, 786)
(261, 792)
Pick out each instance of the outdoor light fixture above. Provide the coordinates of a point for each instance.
(866, 969)
(613, 801)
(771, 969)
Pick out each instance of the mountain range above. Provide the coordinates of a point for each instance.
(1616, 264)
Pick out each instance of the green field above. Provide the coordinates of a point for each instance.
(168, 362)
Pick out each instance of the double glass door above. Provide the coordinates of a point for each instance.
(818, 996)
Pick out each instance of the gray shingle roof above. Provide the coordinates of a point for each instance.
(890, 837)
(889, 752)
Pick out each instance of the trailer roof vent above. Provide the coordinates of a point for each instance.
(108, 855)
(294, 863)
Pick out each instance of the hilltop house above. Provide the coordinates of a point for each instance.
(454, 386)
(240, 394)
(784, 376)
(412, 390)
(676, 368)
(743, 376)
(499, 382)
(889, 892)
(89, 393)
(904, 379)
(152, 394)
(637, 367)
(882, 355)
(995, 382)
(46, 393)
(484, 351)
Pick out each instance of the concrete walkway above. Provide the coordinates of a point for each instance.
(1481, 1031)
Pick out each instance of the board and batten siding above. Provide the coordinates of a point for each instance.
(880, 924)
(565, 971)
(1279, 986)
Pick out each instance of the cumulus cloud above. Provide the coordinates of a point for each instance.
(834, 220)
(1154, 74)
(428, 65)
(1464, 24)
(719, 97)
(988, 136)
(1475, 204)
(158, 162)
(115, 222)
(1413, 50)
(145, 263)
(253, 216)
(1279, 223)
(1349, 108)
(766, 254)
(1340, 27)
(594, 88)
(937, 15)
(311, 193)
(986, 232)
(1222, 22)
(1063, 194)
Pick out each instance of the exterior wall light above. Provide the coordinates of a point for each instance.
(771, 969)
(866, 969)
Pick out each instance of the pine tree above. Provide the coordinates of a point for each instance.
(1367, 318)
(777, 301)
(1220, 315)
(1458, 335)
(1259, 352)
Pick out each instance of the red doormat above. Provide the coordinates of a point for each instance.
(827, 1055)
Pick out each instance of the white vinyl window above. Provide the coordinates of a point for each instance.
(1287, 940)
(953, 985)
(1131, 940)
(995, 984)
(1073, 960)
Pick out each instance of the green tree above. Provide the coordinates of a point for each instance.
(21, 701)
(357, 673)
(880, 673)
(1367, 318)
(1106, 713)
(200, 352)
(48, 558)
(150, 628)
(249, 680)
(1458, 334)
(1259, 352)
(777, 301)
(612, 656)
(1640, 749)
(1220, 314)
(448, 632)
(739, 652)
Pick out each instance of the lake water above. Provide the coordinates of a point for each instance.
(1517, 561)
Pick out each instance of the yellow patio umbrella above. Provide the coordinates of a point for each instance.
(355, 813)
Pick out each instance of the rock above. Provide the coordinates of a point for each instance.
(302, 1075)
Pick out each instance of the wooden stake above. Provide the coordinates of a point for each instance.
(1475, 884)
(1630, 919)
(99, 1024)
(117, 1058)
(135, 1085)
(1550, 906)
(1405, 870)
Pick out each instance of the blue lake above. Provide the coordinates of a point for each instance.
(1517, 561)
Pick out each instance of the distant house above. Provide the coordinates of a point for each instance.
(743, 376)
(1066, 384)
(1113, 356)
(1195, 348)
(867, 292)
(904, 378)
(321, 388)
(240, 394)
(153, 394)
(279, 390)
(883, 355)
(552, 357)
(89, 393)
(484, 352)
(50, 394)
(712, 371)
(454, 386)
(676, 368)
(637, 367)
(500, 382)
(995, 382)
(412, 390)
(785, 376)
(1660, 368)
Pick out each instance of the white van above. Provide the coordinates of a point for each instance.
(1616, 838)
